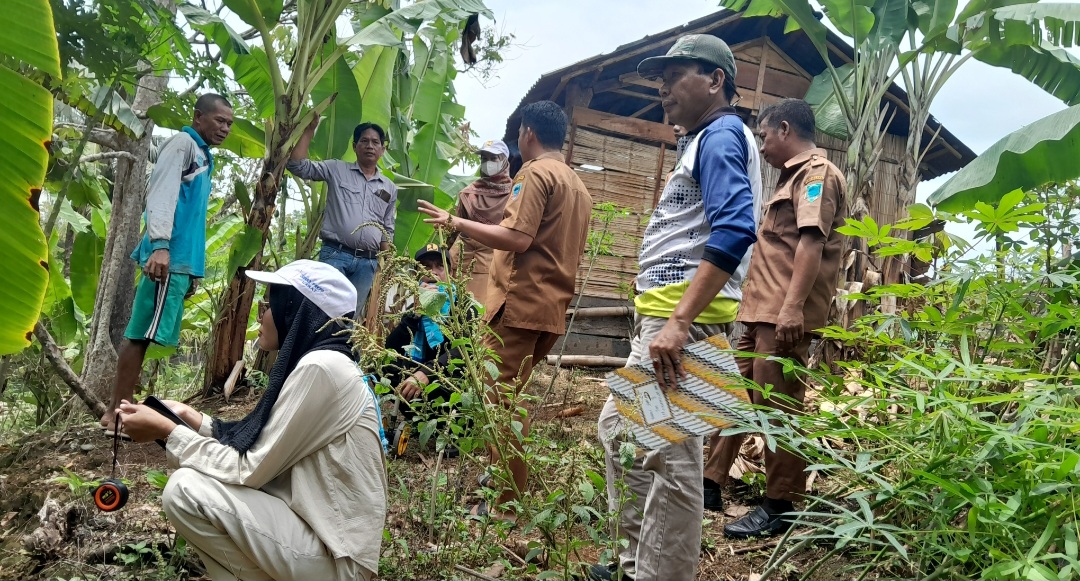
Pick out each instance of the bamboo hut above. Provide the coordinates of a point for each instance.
(622, 147)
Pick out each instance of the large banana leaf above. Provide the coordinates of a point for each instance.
(97, 102)
(852, 18)
(934, 16)
(823, 99)
(58, 304)
(799, 12)
(26, 111)
(29, 35)
(86, 256)
(246, 139)
(1043, 152)
(375, 80)
(334, 136)
(890, 21)
(409, 19)
(1054, 70)
(256, 13)
(410, 231)
(1031, 23)
(248, 63)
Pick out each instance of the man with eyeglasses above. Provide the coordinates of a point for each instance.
(357, 193)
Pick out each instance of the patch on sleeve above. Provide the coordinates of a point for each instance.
(813, 192)
(516, 189)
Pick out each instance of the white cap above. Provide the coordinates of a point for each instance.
(321, 283)
(497, 147)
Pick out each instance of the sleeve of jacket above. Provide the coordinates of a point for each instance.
(721, 169)
(163, 190)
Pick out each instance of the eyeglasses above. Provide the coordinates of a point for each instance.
(263, 307)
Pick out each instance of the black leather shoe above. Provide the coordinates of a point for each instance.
(713, 500)
(606, 573)
(759, 523)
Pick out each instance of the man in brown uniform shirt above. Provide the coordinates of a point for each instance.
(538, 246)
(788, 291)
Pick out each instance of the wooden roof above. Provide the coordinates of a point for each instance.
(611, 84)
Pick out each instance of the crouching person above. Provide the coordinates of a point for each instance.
(297, 489)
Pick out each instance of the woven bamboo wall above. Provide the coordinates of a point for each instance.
(628, 180)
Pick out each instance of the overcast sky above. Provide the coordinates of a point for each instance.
(980, 104)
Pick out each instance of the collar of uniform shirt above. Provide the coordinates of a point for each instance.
(378, 173)
(804, 157)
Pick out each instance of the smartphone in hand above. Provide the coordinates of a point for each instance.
(159, 406)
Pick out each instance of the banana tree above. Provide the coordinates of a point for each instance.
(924, 42)
(29, 50)
(318, 69)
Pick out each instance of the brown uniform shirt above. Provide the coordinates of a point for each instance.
(809, 194)
(549, 203)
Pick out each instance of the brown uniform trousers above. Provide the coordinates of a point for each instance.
(786, 471)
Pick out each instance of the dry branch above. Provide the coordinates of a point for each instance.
(52, 352)
(106, 155)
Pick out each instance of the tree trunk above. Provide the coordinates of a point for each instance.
(116, 284)
(230, 328)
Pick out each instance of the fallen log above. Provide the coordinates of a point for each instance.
(588, 361)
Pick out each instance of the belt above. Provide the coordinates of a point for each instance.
(370, 254)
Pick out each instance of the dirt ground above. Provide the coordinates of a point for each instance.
(137, 542)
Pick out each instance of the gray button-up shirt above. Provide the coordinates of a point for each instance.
(351, 199)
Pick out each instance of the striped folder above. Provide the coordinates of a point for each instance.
(709, 399)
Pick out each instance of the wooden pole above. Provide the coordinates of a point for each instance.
(592, 312)
(589, 361)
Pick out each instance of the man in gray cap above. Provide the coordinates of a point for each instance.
(694, 255)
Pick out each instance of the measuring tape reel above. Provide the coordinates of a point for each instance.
(112, 493)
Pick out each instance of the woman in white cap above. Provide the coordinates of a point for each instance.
(297, 489)
(483, 201)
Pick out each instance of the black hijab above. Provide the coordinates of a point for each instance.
(305, 329)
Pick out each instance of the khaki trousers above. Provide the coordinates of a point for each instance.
(245, 533)
(661, 510)
(785, 473)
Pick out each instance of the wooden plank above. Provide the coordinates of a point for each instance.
(645, 109)
(749, 51)
(636, 128)
(746, 77)
(636, 79)
(785, 61)
(636, 95)
(761, 72)
(784, 84)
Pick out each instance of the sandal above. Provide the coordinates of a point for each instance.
(486, 479)
(111, 433)
(481, 510)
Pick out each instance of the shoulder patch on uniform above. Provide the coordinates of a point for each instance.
(814, 179)
(813, 192)
(514, 191)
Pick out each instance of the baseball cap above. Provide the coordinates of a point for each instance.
(699, 47)
(430, 249)
(319, 282)
(497, 147)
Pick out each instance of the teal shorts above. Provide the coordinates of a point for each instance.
(158, 310)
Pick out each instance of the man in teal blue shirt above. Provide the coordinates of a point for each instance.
(172, 252)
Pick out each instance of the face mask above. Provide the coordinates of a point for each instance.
(490, 168)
